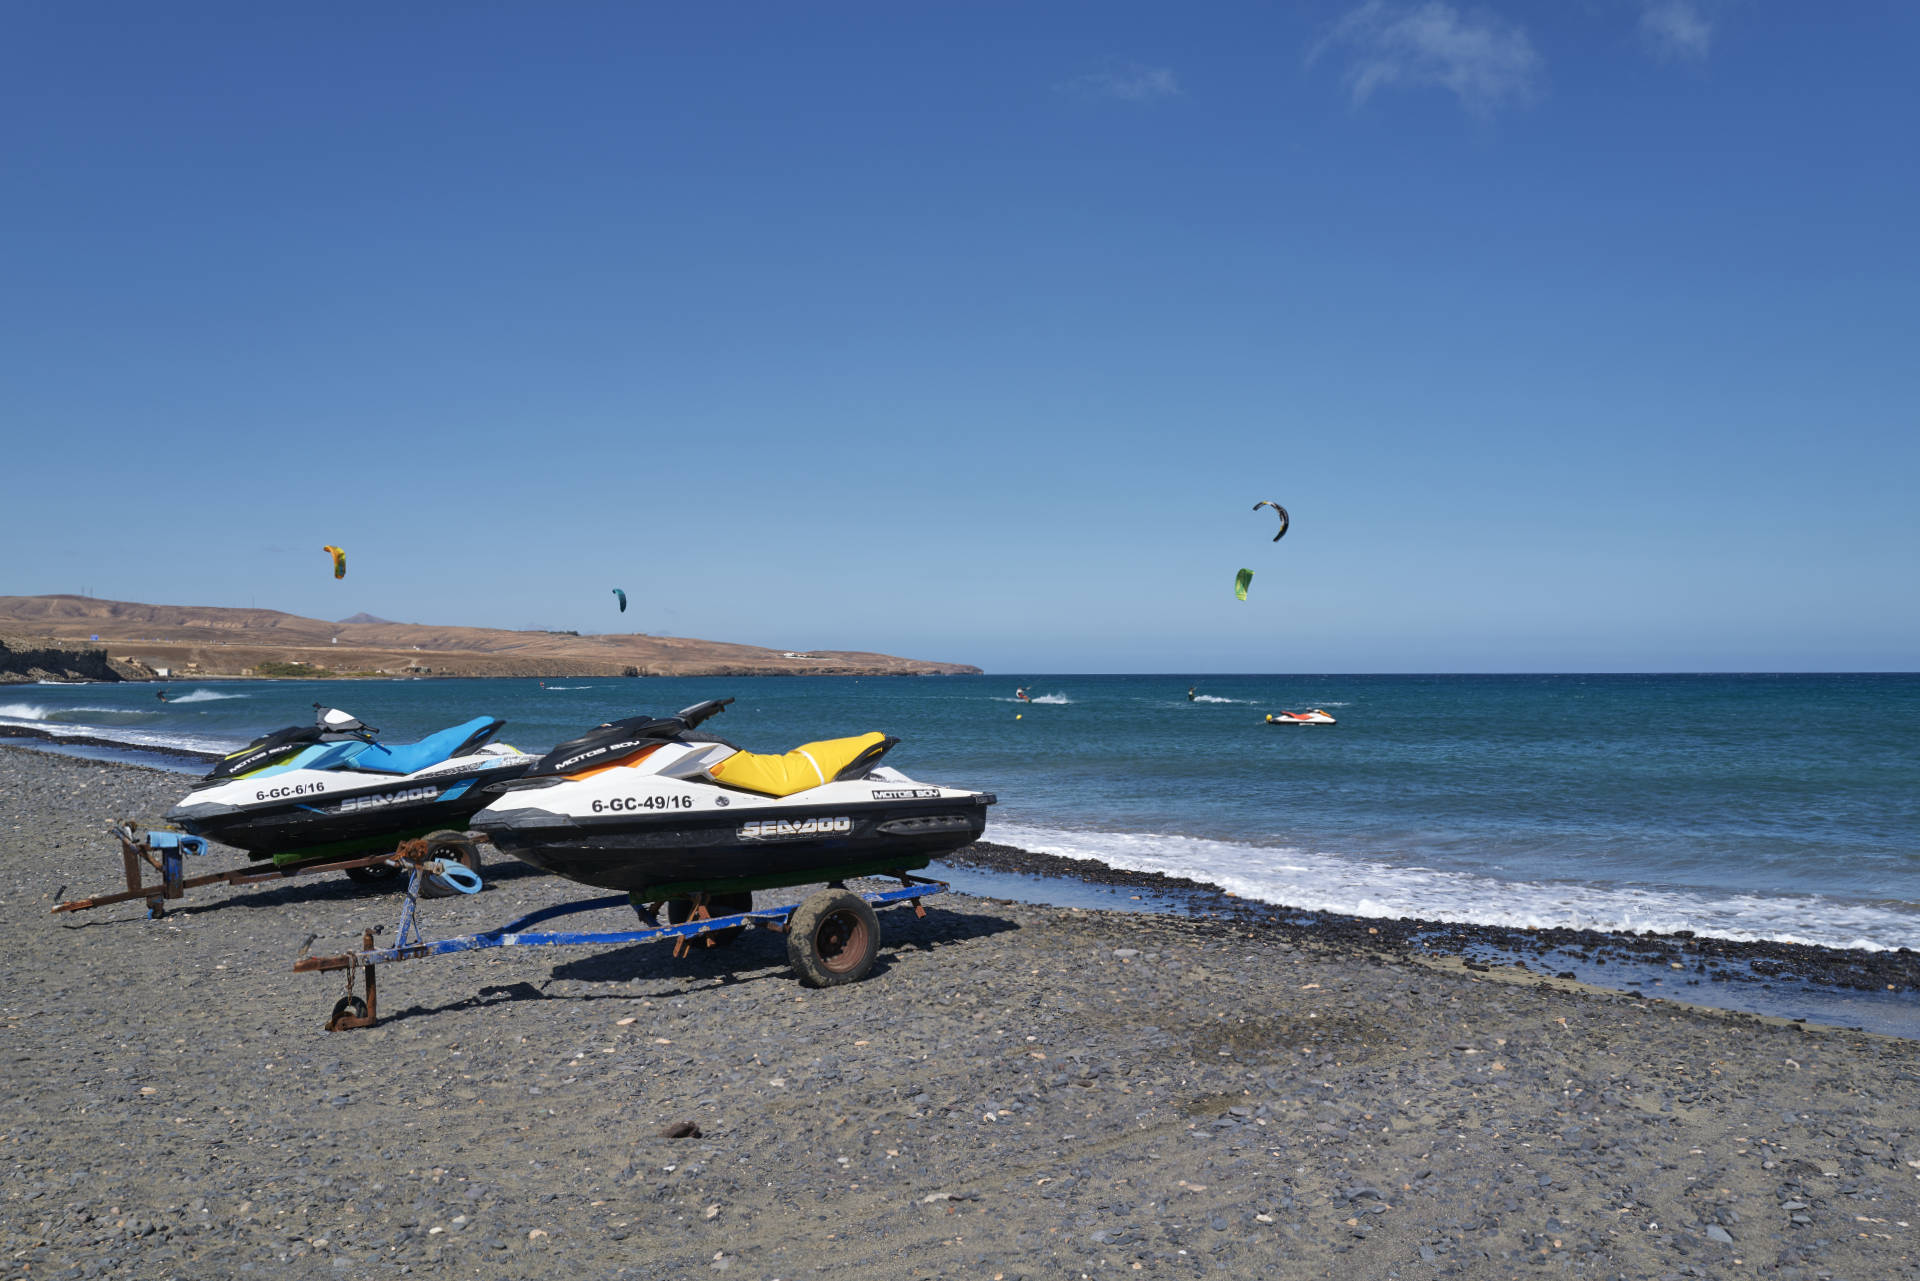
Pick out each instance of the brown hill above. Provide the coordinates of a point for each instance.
(211, 640)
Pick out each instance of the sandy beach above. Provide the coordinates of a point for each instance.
(1016, 1091)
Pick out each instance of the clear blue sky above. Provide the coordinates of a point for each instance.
(1575, 337)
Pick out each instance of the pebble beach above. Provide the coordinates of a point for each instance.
(1016, 1091)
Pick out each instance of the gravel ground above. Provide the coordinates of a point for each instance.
(1015, 1091)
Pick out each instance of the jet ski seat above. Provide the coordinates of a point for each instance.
(316, 756)
(808, 765)
(405, 758)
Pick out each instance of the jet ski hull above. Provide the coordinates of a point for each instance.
(337, 823)
(757, 848)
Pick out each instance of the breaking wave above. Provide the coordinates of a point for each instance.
(1319, 881)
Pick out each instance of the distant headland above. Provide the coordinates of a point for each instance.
(52, 638)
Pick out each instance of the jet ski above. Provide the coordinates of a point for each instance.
(331, 790)
(1312, 717)
(654, 807)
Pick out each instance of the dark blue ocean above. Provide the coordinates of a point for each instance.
(1783, 807)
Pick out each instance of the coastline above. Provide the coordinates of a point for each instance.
(1023, 1090)
(223, 643)
(1870, 990)
(1845, 987)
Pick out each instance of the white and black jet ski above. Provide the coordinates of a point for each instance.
(650, 806)
(330, 790)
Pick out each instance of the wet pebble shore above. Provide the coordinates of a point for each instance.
(1715, 960)
(1016, 1091)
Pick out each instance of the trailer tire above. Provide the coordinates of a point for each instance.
(680, 911)
(373, 873)
(832, 938)
(450, 845)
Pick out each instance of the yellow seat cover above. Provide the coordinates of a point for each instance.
(808, 765)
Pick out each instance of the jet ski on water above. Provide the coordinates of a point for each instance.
(331, 790)
(651, 806)
(1312, 717)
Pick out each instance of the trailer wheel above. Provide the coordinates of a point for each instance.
(448, 845)
(680, 911)
(832, 939)
(349, 1006)
(373, 873)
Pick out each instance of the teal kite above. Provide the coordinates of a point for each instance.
(623, 599)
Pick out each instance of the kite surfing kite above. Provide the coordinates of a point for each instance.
(1242, 579)
(623, 599)
(1268, 502)
(339, 560)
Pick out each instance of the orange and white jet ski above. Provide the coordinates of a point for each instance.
(1313, 716)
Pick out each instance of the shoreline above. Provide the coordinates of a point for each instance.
(1842, 987)
(1016, 1090)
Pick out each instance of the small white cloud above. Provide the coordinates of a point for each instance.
(1675, 30)
(1129, 84)
(1482, 59)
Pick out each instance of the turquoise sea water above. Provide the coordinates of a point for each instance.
(1752, 806)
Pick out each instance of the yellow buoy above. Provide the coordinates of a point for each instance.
(1016, 716)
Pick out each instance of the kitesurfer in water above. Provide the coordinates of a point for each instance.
(1190, 689)
(161, 694)
(1020, 695)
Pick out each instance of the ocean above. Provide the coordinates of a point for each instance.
(1781, 807)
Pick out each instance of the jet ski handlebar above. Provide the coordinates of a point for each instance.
(692, 716)
(334, 723)
(612, 741)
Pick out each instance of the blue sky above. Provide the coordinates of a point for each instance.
(1574, 337)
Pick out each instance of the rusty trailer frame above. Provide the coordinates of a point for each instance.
(163, 852)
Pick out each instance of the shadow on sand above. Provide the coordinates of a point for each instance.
(757, 956)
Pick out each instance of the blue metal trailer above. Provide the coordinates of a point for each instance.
(832, 936)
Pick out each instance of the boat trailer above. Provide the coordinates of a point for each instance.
(164, 852)
(832, 937)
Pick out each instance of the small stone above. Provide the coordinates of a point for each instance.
(1717, 1233)
(681, 1130)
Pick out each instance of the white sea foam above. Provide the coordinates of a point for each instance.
(568, 687)
(1209, 698)
(1055, 699)
(118, 733)
(1359, 886)
(43, 715)
(202, 696)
